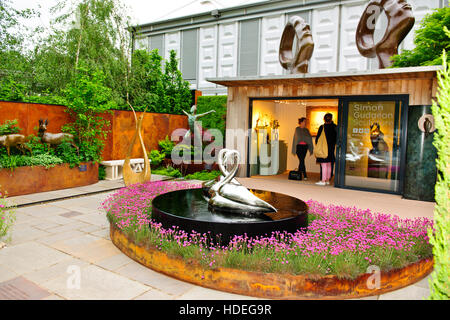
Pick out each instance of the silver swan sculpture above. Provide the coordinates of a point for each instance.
(229, 195)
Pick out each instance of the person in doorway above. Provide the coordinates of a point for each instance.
(330, 131)
(301, 144)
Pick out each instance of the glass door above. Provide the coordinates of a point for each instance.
(372, 143)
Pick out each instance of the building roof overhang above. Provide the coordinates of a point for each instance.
(428, 72)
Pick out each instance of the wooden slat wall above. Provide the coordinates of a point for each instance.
(421, 91)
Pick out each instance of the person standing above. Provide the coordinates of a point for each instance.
(301, 143)
(330, 131)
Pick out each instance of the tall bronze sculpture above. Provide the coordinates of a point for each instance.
(400, 22)
(296, 46)
(129, 176)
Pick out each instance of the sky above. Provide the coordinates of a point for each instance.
(141, 11)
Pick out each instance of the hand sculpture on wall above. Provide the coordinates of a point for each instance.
(400, 22)
(297, 33)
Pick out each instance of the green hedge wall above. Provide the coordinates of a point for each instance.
(216, 120)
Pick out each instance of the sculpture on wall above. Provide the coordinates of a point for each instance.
(296, 46)
(54, 139)
(400, 22)
(129, 176)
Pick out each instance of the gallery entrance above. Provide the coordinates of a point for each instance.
(370, 152)
(372, 148)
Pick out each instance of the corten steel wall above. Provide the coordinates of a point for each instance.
(155, 127)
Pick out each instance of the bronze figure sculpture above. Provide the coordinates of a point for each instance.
(129, 176)
(192, 118)
(54, 139)
(400, 22)
(297, 33)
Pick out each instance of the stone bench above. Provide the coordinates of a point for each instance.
(114, 168)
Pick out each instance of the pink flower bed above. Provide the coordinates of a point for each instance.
(342, 241)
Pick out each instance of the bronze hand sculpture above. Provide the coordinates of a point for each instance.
(400, 22)
(296, 32)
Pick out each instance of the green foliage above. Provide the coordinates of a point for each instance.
(204, 175)
(158, 91)
(46, 98)
(169, 171)
(7, 217)
(146, 81)
(10, 90)
(429, 41)
(156, 158)
(68, 154)
(14, 161)
(177, 93)
(166, 146)
(88, 98)
(215, 120)
(99, 37)
(101, 172)
(9, 127)
(440, 239)
(37, 147)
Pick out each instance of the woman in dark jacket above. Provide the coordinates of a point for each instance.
(301, 143)
(330, 130)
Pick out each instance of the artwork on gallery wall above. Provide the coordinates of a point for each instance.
(314, 117)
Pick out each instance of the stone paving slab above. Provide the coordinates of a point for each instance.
(96, 284)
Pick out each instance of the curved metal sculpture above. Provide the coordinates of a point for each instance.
(296, 33)
(228, 195)
(400, 22)
(129, 176)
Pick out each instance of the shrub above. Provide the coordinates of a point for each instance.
(14, 161)
(9, 127)
(166, 146)
(169, 171)
(156, 158)
(440, 239)
(101, 172)
(203, 175)
(87, 98)
(429, 41)
(11, 90)
(215, 120)
(7, 218)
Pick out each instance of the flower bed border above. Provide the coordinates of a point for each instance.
(268, 285)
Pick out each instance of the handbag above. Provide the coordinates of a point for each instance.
(295, 175)
(321, 149)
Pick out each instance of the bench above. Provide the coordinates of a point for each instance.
(114, 168)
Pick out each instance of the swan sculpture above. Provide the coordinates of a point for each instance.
(229, 195)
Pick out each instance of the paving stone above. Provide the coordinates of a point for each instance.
(103, 233)
(68, 227)
(21, 289)
(46, 225)
(114, 262)
(154, 279)
(424, 283)
(30, 256)
(200, 293)
(409, 293)
(24, 233)
(59, 220)
(42, 211)
(6, 273)
(98, 219)
(70, 214)
(54, 238)
(96, 284)
(53, 297)
(54, 271)
(154, 294)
